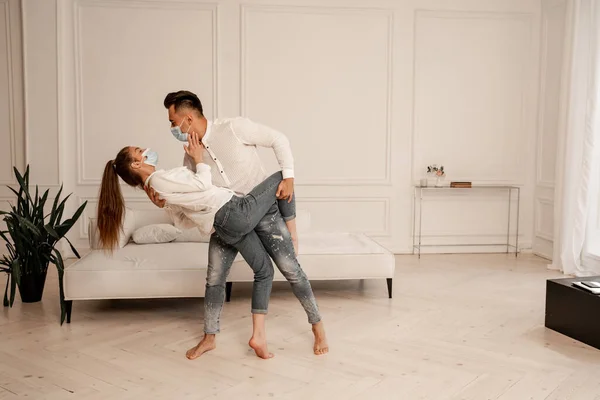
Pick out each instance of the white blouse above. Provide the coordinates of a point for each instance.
(191, 198)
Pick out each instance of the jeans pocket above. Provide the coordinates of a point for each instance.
(221, 216)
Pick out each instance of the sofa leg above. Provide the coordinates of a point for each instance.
(69, 306)
(389, 285)
(228, 287)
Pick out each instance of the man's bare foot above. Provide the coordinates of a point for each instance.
(207, 343)
(259, 345)
(321, 346)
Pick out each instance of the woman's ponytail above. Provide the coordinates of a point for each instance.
(111, 208)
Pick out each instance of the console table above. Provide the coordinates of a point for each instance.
(418, 199)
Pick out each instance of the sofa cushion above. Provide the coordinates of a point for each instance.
(156, 233)
(124, 235)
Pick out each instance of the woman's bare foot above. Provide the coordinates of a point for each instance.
(321, 346)
(207, 343)
(259, 345)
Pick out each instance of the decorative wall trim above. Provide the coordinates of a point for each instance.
(549, 236)
(385, 180)
(82, 180)
(542, 94)
(11, 93)
(385, 223)
(476, 15)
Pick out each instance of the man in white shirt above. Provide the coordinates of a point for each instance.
(230, 149)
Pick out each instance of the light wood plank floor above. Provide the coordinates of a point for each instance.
(459, 327)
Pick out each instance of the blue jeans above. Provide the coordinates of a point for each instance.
(254, 226)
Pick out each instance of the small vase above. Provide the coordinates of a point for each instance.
(32, 287)
(439, 181)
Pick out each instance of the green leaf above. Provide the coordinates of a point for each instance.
(3, 236)
(72, 247)
(14, 191)
(61, 271)
(6, 303)
(16, 272)
(43, 204)
(64, 228)
(24, 182)
(60, 210)
(13, 290)
(54, 205)
(51, 231)
(78, 213)
(29, 225)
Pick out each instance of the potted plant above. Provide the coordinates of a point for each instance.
(438, 173)
(31, 236)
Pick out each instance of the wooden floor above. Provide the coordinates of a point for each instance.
(459, 327)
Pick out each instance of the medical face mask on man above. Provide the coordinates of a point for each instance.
(178, 134)
(150, 157)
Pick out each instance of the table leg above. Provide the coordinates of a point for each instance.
(414, 218)
(508, 228)
(517, 234)
(420, 218)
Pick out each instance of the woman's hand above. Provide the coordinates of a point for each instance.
(154, 197)
(195, 148)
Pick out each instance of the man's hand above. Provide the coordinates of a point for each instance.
(194, 148)
(286, 189)
(158, 202)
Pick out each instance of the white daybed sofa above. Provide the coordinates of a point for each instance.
(178, 269)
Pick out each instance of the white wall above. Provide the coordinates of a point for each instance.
(369, 93)
(11, 95)
(551, 117)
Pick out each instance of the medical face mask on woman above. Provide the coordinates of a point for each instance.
(150, 157)
(178, 134)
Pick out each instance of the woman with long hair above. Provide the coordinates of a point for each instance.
(209, 208)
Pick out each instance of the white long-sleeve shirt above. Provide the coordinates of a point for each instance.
(231, 151)
(191, 197)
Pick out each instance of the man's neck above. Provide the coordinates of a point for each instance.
(202, 128)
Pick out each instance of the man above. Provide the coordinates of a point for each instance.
(230, 150)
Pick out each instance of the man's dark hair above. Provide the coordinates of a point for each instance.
(183, 99)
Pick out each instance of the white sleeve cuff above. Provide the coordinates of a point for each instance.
(201, 167)
(287, 173)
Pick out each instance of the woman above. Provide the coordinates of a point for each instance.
(203, 205)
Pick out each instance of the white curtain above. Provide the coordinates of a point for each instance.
(578, 145)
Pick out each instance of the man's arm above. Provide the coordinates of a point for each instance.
(254, 134)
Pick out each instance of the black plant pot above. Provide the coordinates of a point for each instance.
(32, 287)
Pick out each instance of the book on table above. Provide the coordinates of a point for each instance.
(590, 286)
(465, 185)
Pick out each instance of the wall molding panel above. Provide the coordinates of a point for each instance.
(387, 18)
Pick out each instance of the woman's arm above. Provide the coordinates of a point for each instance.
(183, 180)
(202, 177)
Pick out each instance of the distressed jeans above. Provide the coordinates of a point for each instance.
(255, 226)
